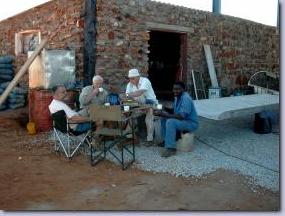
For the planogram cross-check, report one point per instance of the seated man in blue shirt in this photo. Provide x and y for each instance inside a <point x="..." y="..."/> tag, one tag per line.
<point x="184" y="118"/>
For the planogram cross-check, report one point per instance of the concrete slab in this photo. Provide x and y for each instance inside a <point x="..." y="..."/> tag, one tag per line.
<point x="231" y="107"/>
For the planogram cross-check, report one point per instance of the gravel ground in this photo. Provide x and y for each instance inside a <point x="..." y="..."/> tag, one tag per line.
<point x="228" y="144"/>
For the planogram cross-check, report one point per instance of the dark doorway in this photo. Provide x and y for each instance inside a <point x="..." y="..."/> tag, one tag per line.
<point x="165" y="62"/>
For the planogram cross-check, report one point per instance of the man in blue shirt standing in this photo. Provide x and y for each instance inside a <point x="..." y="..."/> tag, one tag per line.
<point x="184" y="118"/>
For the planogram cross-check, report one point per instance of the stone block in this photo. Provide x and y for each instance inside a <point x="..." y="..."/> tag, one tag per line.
<point x="186" y="143"/>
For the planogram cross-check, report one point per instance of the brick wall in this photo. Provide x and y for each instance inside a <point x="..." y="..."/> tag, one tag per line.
<point x="239" y="47"/>
<point x="57" y="15"/>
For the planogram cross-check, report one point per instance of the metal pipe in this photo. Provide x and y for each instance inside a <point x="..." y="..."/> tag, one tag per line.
<point x="89" y="41"/>
<point x="216" y="7"/>
<point x="278" y="14"/>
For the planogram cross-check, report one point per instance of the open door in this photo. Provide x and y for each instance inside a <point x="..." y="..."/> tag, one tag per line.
<point x="167" y="62"/>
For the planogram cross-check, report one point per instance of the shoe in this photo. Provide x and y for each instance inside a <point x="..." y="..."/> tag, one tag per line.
<point x="148" y="143"/>
<point x="162" y="144"/>
<point x="129" y="135"/>
<point x="168" y="152"/>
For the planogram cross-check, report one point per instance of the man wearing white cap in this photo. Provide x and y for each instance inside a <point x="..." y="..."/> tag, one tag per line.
<point x="140" y="89"/>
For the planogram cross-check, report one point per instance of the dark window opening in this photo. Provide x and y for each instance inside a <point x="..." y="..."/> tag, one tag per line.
<point x="164" y="62"/>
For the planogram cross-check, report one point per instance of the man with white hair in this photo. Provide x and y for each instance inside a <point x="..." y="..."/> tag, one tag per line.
<point x="140" y="89"/>
<point x="93" y="94"/>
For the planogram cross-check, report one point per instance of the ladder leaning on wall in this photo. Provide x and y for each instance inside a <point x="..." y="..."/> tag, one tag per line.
<point x="198" y="84"/>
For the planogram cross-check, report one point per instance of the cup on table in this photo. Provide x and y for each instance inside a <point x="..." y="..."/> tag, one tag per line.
<point x="159" y="106"/>
<point x="107" y="104"/>
<point x="126" y="108"/>
<point x="100" y="89"/>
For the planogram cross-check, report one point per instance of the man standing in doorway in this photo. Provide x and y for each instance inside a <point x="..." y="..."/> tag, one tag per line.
<point x="140" y="89"/>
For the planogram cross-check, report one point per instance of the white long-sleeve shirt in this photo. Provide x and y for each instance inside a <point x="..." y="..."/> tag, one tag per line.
<point x="144" y="84"/>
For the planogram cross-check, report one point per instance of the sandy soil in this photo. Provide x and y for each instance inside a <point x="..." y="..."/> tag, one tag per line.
<point x="34" y="177"/>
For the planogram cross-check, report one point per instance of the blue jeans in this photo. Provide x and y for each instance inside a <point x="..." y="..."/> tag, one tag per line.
<point x="83" y="127"/>
<point x="169" y="128"/>
<point x="149" y="101"/>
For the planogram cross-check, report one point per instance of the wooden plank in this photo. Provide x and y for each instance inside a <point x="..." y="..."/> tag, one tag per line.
<point x="22" y="71"/>
<point x="211" y="67"/>
<point x="194" y="83"/>
<point x="174" y="28"/>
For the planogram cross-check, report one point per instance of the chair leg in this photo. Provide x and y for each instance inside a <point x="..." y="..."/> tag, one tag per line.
<point x="132" y="153"/>
<point x="133" y="139"/>
<point x="60" y="143"/>
<point x="79" y="144"/>
<point x="68" y="146"/>
<point x="104" y="147"/>
<point x="56" y="144"/>
<point x="71" y="145"/>
<point x="119" y="156"/>
<point x="122" y="157"/>
<point x="94" y="160"/>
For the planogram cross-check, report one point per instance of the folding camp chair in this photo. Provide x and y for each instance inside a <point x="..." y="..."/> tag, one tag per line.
<point x="119" y="134"/>
<point x="66" y="138"/>
<point x="265" y="82"/>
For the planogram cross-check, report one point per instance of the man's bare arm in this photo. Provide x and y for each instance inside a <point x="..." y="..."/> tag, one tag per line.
<point x="78" y="119"/>
<point x="136" y="93"/>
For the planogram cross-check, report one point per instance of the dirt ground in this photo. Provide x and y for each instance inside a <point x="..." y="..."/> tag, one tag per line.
<point x="33" y="177"/>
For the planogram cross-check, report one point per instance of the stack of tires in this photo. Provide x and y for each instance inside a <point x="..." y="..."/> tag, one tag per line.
<point x="17" y="98"/>
<point x="6" y="68"/>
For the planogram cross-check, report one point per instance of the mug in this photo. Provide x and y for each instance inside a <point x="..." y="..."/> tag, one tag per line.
<point x="126" y="108"/>
<point x="100" y="89"/>
<point x="159" y="106"/>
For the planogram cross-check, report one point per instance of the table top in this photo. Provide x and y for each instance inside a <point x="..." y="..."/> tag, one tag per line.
<point x="114" y="113"/>
<point x="230" y="107"/>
